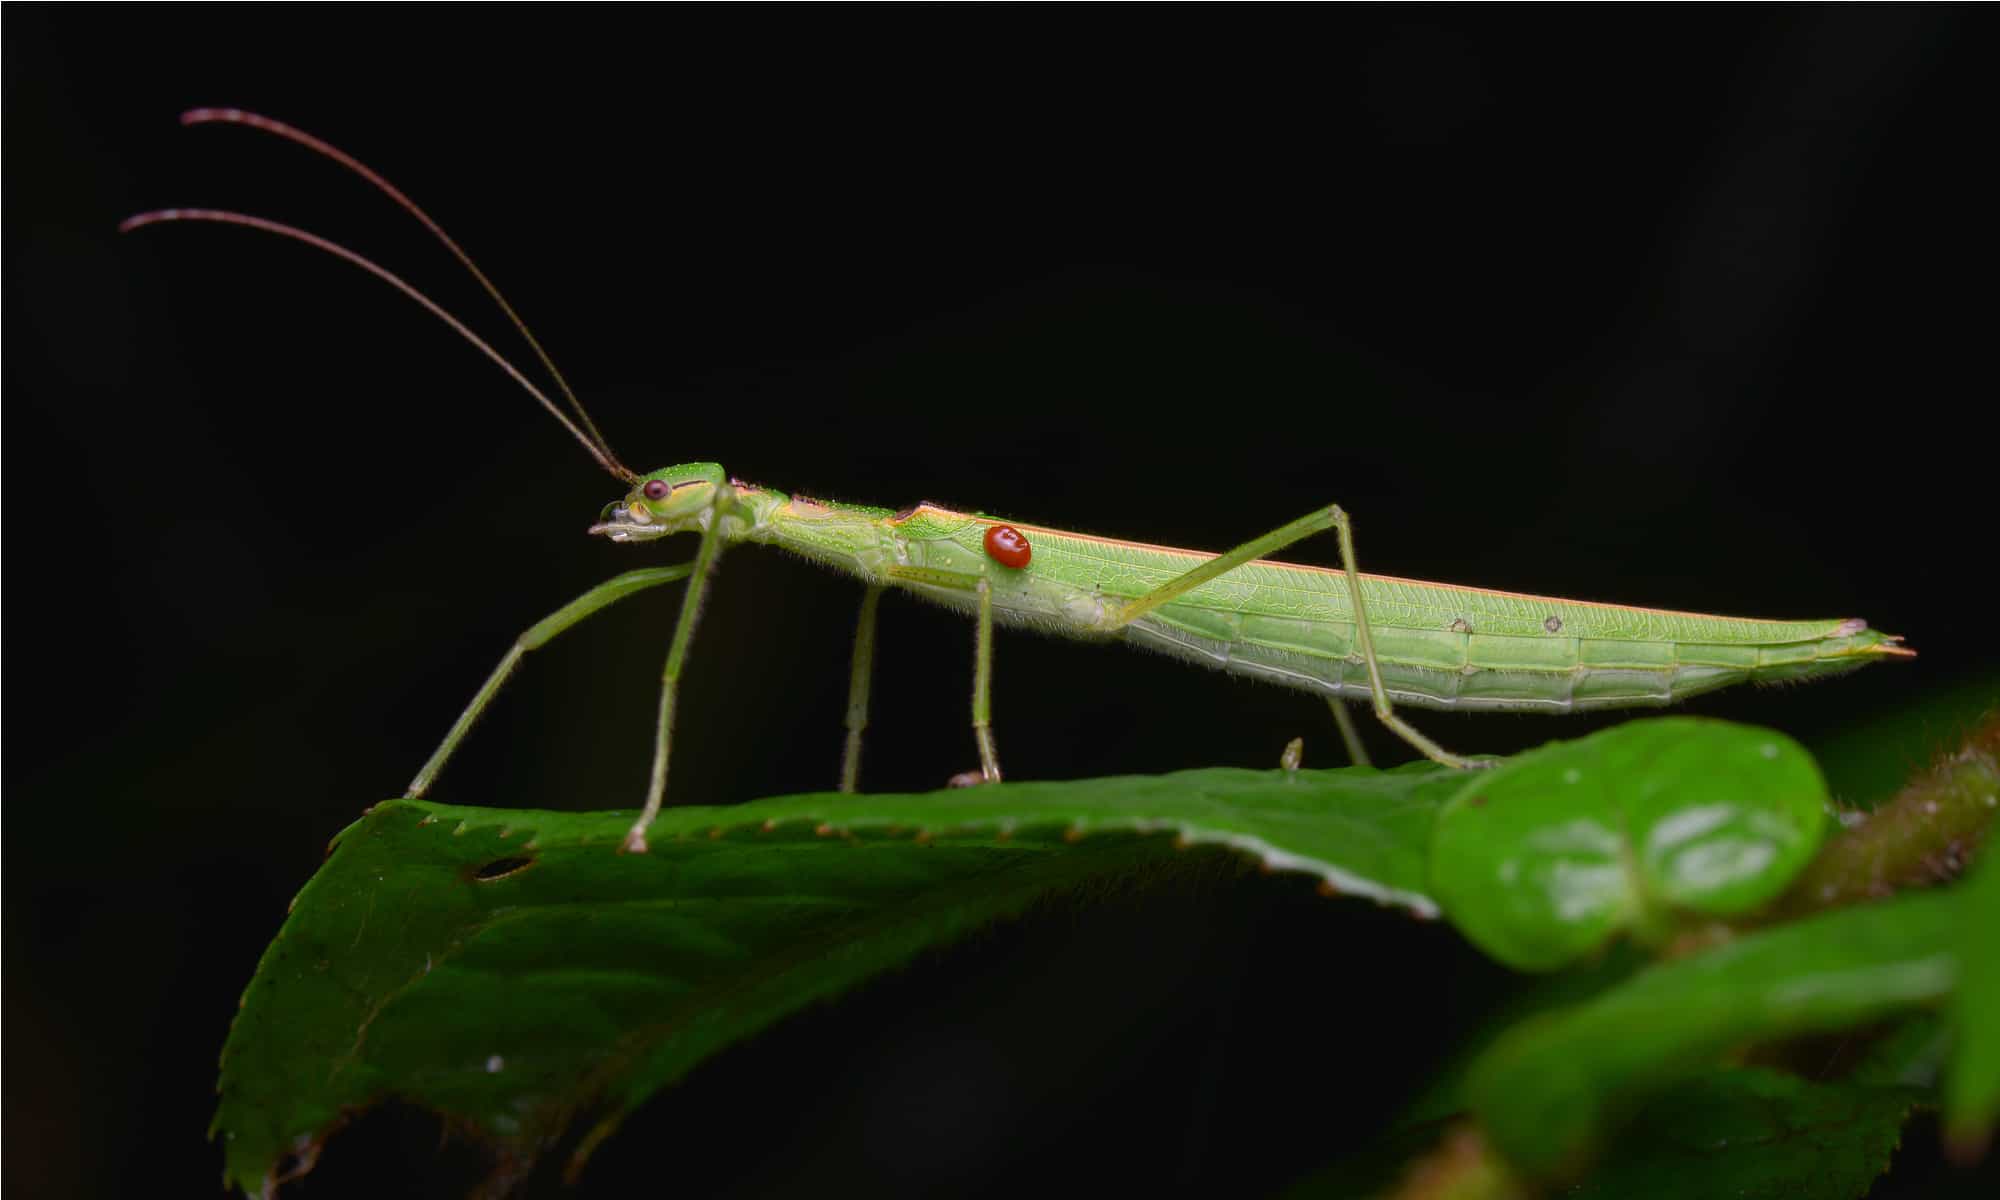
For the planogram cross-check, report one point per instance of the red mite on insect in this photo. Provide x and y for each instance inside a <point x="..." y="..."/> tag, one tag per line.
<point x="1008" y="546"/>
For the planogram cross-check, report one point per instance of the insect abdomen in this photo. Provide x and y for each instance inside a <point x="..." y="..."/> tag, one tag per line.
<point x="1461" y="669"/>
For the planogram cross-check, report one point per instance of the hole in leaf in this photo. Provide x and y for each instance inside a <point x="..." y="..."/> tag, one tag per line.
<point x="501" y="868"/>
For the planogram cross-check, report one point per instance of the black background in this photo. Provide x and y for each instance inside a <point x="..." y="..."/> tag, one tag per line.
<point x="1662" y="307"/>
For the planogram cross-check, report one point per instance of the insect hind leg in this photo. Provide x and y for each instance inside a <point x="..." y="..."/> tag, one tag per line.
<point x="1319" y="521"/>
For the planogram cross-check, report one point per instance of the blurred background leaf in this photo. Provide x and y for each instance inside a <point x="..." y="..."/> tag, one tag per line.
<point x="1549" y="1091"/>
<point x="1756" y="1134"/>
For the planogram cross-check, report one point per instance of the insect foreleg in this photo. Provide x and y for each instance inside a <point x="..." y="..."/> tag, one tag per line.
<point x="1330" y="517"/>
<point x="701" y="571"/>
<point x="1349" y="735"/>
<point x="604" y="594"/>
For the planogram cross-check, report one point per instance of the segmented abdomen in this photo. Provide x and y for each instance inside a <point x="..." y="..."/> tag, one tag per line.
<point x="1464" y="669"/>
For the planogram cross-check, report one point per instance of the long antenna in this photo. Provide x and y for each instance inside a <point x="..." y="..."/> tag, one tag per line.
<point x="597" y="450"/>
<point x="236" y="116"/>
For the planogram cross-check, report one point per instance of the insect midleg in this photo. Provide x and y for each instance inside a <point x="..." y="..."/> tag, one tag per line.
<point x="1331" y="517"/>
<point x="857" y="687"/>
<point x="982" y="660"/>
<point x="702" y="570"/>
<point x="982" y="686"/>
<point x="603" y="595"/>
<point x="1356" y="752"/>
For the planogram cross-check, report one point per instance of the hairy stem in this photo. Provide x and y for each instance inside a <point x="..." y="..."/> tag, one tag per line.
<point x="1924" y="836"/>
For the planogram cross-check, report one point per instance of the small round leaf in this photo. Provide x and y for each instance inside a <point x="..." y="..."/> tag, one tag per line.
<point x="1547" y="857"/>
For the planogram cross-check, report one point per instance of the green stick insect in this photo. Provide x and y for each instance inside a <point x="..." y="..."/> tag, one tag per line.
<point x="1338" y="633"/>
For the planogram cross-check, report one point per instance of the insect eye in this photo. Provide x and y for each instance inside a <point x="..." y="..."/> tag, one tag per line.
<point x="656" y="489"/>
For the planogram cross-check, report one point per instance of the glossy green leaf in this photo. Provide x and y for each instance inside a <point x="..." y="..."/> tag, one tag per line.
<point x="1549" y="1091"/>
<point x="1544" y="859"/>
<point x="508" y="970"/>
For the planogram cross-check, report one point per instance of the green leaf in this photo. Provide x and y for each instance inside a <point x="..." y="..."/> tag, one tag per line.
<point x="1544" y="859"/>
<point x="1910" y="1053"/>
<point x="1743" y="1132"/>
<point x="1548" y="1091"/>
<point x="1972" y="1091"/>
<point x="1752" y="1134"/>
<point x="508" y="970"/>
